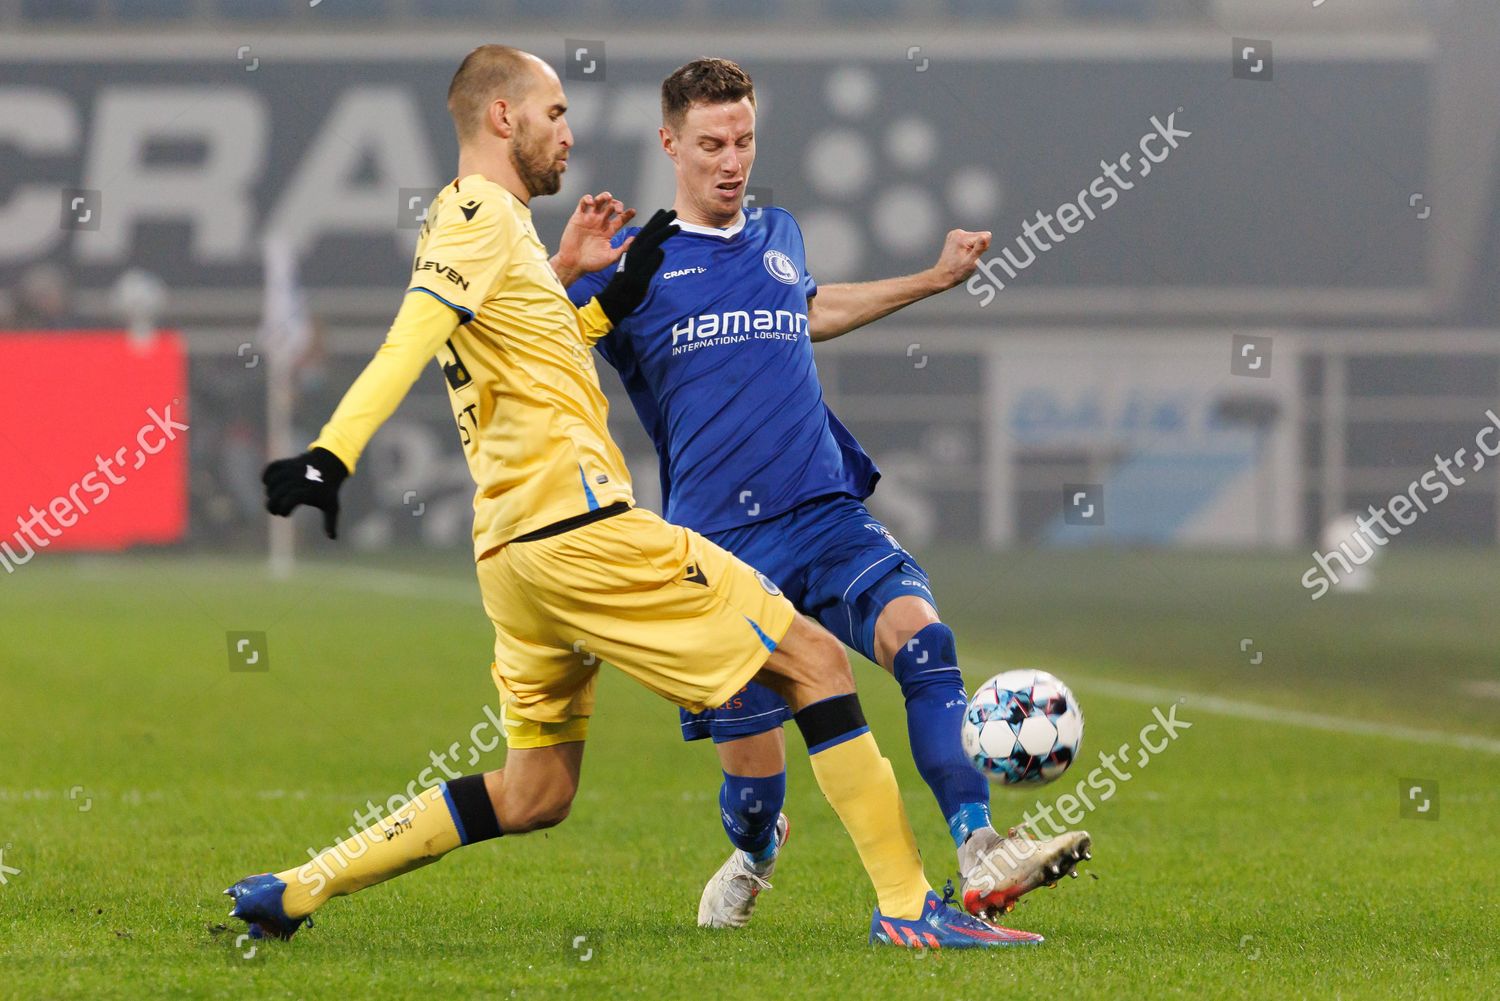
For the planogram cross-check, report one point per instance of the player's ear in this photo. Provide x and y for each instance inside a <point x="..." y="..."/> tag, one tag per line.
<point x="668" y="141"/>
<point x="500" y="119"/>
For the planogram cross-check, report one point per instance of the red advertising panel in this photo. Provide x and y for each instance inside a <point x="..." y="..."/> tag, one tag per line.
<point x="93" y="441"/>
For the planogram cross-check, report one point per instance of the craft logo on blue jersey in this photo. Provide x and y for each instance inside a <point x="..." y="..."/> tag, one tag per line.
<point x="683" y="271"/>
<point x="781" y="267"/>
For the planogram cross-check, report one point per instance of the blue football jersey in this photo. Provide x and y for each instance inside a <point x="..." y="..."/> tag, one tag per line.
<point x="718" y="363"/>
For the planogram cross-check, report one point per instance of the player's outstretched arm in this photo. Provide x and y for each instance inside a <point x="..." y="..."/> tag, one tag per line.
<point x="838" y="309"/>
<point x="587" y="241"/>
<point x="314" y="477"/>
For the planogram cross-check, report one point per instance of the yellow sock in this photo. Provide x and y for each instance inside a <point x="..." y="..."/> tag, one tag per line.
<point x="419" y="833"/>
<point x="861" y="787"/>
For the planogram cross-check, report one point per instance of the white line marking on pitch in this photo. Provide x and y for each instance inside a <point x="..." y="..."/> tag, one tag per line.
<point x="1290" y="717"/>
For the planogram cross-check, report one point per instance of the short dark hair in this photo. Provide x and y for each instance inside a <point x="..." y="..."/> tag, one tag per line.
<point x="703" y="81"/>
<point x="487" y="73"/>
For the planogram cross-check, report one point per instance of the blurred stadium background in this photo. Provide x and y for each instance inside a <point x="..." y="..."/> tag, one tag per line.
<point x="1332" y="220"/>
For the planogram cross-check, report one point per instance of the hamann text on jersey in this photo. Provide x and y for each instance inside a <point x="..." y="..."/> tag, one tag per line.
<point x="719" y="365"/>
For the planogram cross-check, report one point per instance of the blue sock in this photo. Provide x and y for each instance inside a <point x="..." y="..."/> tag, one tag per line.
<point x="927" y="670"/>
<point x="749" y="806"/>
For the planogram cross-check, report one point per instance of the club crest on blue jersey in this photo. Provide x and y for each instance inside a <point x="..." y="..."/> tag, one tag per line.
<point x="781" y="267"/>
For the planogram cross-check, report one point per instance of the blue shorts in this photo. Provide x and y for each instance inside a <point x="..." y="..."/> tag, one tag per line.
<point x="836" y="563"/>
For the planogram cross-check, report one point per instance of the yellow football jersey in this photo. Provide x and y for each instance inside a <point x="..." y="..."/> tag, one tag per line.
<point x="518" y="364"/>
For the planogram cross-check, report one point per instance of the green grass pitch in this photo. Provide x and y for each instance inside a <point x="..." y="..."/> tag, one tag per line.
<point x="1263" y="853"/>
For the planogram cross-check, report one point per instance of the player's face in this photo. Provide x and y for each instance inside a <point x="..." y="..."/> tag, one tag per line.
<point x="714" y="150"/>
<point x="539" y="146"/>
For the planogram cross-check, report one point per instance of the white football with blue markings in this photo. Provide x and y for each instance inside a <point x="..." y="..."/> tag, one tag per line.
<point x="1022" y="727"/>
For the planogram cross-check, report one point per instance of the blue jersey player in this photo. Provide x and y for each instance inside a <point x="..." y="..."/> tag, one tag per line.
<point x="718" y="363"/>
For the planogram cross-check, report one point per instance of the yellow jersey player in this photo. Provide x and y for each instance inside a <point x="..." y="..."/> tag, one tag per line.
<point x="571" y="574"/>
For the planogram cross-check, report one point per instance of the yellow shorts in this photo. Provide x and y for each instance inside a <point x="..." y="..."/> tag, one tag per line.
<point x="663" y="604"/>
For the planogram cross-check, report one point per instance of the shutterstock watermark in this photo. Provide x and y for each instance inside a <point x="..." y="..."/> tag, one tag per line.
<point x="1421" y="494"/>
<point x="484" y="737"/>
<point x="66" y="508"/>
<point x="1072" y="216"/>
<point x="1105" y="780"/>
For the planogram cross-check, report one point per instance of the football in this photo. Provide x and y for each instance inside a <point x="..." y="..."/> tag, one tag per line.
<point x="1022" y="726"/>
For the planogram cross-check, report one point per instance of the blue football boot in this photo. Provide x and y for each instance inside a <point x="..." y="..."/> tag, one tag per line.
<point x="944" y="927"/>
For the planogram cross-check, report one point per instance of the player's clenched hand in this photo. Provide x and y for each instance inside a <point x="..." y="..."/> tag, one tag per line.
<point x="312" y="478"/>
<point x="585" y="244"/>
<point x="627" y="289"/>
<point x="960" y="257"/>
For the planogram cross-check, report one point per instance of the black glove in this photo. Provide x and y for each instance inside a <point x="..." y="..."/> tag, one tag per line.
<point x="311" y="478"/>
<point x="627" y="289"/>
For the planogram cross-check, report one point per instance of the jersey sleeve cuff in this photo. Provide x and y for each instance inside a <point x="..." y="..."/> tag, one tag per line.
<point x="593" y="321"/>
<point x="343" y="454"/>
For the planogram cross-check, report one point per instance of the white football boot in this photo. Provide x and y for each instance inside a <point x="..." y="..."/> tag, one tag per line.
<point x="730" y="895"/>
<point x="995" y="872"/>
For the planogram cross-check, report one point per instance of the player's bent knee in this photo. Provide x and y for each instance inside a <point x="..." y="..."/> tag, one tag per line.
<point x="758" y="755"/>
<point x="833" y="665"/>
<point x="520" y="816"/>
<point x="535" y="790"/>
<point x="546" y="815"/>
<point x="809" y="665"/>
<point x="898" y="622"/>
<point x="827" y="662"/>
